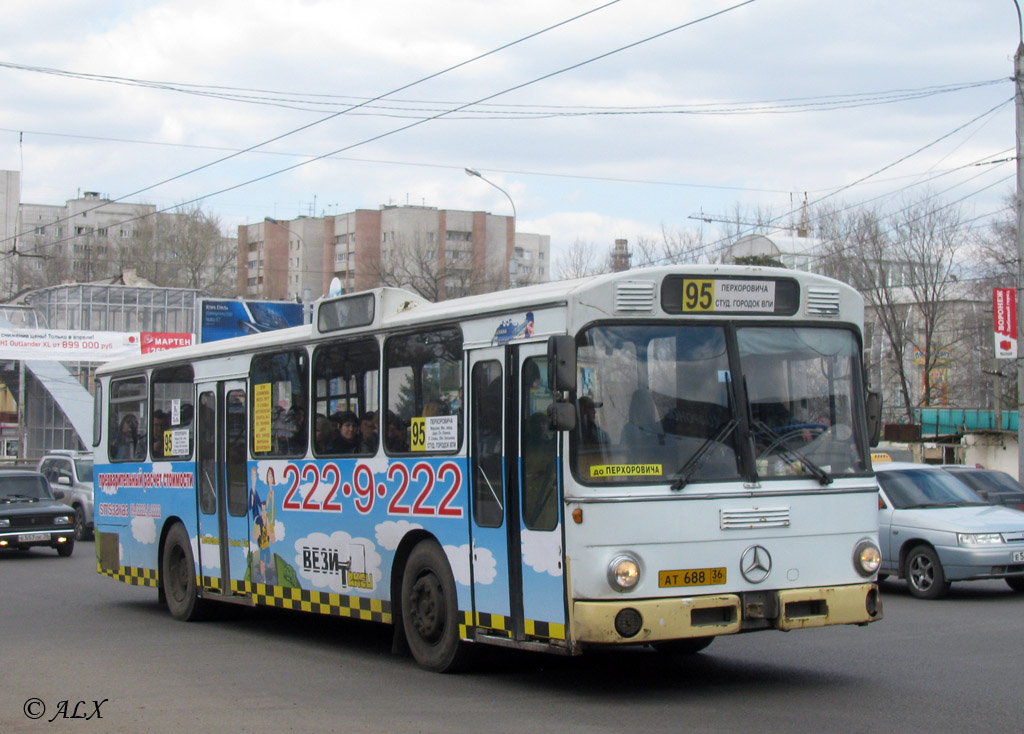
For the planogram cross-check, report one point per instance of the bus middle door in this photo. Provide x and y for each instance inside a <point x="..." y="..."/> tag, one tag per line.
<point x="221" y="461"/>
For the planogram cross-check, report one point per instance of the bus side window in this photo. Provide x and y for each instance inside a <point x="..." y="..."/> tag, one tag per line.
<point x="279" y="403"/>
<point x="487" y="447"/>
<point x="424" y="392"/>
<point x="538" y="448"/>
<point x="127" y="419"/>
<point x="345" y="383"/>
<point x="170" y="434"/>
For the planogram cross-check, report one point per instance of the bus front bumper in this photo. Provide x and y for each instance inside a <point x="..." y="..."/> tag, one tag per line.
<point x="653" y="620"/>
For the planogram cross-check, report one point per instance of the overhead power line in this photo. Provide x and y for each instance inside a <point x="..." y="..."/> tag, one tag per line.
<point x="417" y="123"/>
<point x="336" y="114"/>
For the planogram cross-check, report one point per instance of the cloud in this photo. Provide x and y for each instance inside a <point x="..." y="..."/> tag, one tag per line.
<point x="208" y="553"/>
<point x="542" y="551"/>
<point x="144" y="530"/>
<point x="458" y="559"/>
<point x="390" y="533"/>
<point x="485" y="566"/>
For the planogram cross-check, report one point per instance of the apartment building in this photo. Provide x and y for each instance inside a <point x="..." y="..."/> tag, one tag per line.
<point x="440" y="253"/>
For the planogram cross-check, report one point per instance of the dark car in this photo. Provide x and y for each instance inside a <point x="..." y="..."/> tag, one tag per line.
<point x="30" y="514"/>
<point x="995" y="487"/>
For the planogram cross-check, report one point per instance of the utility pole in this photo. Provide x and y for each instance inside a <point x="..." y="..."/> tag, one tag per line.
<point x="1018" y="81"/>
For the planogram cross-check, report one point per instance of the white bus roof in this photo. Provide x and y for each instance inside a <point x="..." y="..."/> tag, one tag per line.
<point x="396" y="308"/>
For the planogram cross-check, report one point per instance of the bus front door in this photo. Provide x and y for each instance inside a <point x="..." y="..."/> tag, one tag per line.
<point x="539" y="543"/>
<point x="518" y="585"/>
<point x="221" y="460"/>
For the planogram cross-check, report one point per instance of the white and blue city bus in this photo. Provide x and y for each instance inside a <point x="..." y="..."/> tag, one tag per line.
<point x="657" y="457"/>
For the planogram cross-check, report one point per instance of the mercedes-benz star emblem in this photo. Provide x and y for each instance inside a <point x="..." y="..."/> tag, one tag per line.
<point x="756" y="564"/>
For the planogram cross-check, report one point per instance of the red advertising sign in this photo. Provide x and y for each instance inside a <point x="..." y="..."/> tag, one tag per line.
<point x="1004" y="307"/>
<point x="155" y="341"/>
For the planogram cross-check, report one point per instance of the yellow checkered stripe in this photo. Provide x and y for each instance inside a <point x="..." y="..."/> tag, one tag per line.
<point x="338" y="605"/>
<point x="213" y="583"/>
<point x="547" y="630"/>
<point x="497" y="624"/>
<point x="130" y="575"/>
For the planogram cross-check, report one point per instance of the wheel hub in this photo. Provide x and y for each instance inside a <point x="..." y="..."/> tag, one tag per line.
<point x="426" y="607"/>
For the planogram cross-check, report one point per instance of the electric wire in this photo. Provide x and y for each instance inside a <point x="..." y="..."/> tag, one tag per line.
<point x="417" y="123"/>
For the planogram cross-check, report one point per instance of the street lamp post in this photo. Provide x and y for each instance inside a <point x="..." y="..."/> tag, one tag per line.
<point x="513" y="264"/>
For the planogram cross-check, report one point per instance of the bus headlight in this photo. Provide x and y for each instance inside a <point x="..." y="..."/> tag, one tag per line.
<point x="866" y="558"/>
<point x="623" y="572"/>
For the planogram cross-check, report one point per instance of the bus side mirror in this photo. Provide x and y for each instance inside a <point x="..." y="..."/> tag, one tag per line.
<point x="873" y="411"/>
<point x="562" y="363"/>
<point x="561" y="416"/>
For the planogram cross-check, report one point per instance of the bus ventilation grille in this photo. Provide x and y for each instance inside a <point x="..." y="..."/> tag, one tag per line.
<point x="634" y="296"/>
<point x="755" y="517"/>
<point x="822" y="302"/>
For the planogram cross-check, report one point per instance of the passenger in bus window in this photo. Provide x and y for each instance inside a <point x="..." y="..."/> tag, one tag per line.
<point x="396" y="437"/>
<point x="160" y="425"/>
<point x="591" y="434"/>
<point x="128" y="444"/>
<point x="349" y="442"/>
<point x="368" y="432"/>
<point x="326" y="440"/>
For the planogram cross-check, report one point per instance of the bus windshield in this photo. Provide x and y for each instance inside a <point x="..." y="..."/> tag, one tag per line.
<point x="689" y="403"/>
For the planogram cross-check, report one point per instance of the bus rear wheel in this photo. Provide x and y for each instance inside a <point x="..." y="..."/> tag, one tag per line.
<point x="430" y="610"/>
<point x="178" y="572"/>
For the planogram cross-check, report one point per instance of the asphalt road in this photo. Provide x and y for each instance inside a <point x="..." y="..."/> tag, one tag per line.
<point x="70" y="635"/>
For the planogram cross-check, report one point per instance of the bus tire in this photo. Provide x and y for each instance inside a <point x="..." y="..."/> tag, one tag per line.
<point x="178" y="577"/>
<point x="687" y="646"/>
<point x="430" y="610"/>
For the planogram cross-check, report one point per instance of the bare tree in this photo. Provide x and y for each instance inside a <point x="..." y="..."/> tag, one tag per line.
<point x="580" y="260"/>
<point x="182" y="249"/>
<point x="437" y="274"/>
<point x="904" y="264"/>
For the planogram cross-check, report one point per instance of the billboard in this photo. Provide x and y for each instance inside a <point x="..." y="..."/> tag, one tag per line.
<point x="86" y="346"/>
<point x="1004" y="308"/>
<point x="225" y="319"/>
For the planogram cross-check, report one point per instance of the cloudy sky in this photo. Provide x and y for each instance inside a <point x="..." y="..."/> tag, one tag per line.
<point x="600" y="120"/>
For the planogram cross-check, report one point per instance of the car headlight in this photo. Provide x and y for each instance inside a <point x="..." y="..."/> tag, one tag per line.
<point x="866" y="557"/>
<point x="5" y="522"/>
<point x="978" y="538"/>
<point x="64" y="519"/>
<point x="623" y="573"/>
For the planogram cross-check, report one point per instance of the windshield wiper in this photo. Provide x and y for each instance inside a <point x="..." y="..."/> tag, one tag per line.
<point x="790" y="454"/>
<point x="700" y="455"/>
<point x="21" y="497"/>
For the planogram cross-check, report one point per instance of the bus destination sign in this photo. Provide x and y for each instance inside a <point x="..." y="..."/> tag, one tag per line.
<point x="725" y="295"/>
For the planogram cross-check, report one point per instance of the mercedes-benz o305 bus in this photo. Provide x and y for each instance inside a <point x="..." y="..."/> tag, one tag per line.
<point x="657" y="457"/>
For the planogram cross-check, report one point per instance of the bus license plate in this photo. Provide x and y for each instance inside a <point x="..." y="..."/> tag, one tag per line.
<point x="32" y="537"/>
<point x="691" y="577"/>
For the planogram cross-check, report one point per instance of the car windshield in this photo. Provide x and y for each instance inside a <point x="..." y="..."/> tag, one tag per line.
<point x="84" y="469"/>
<point x="990" y="481"/>
<point x="24" y="486"/>
<point x="908" y="488"/>
<point x="662" y="402"/>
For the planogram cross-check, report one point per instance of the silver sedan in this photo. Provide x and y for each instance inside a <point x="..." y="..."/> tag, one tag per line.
<point x="935" y="530"/>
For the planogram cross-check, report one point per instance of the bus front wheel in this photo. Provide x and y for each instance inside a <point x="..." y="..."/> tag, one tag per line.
<point x="178" y="569"/>
<point x="430" y="610"/>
